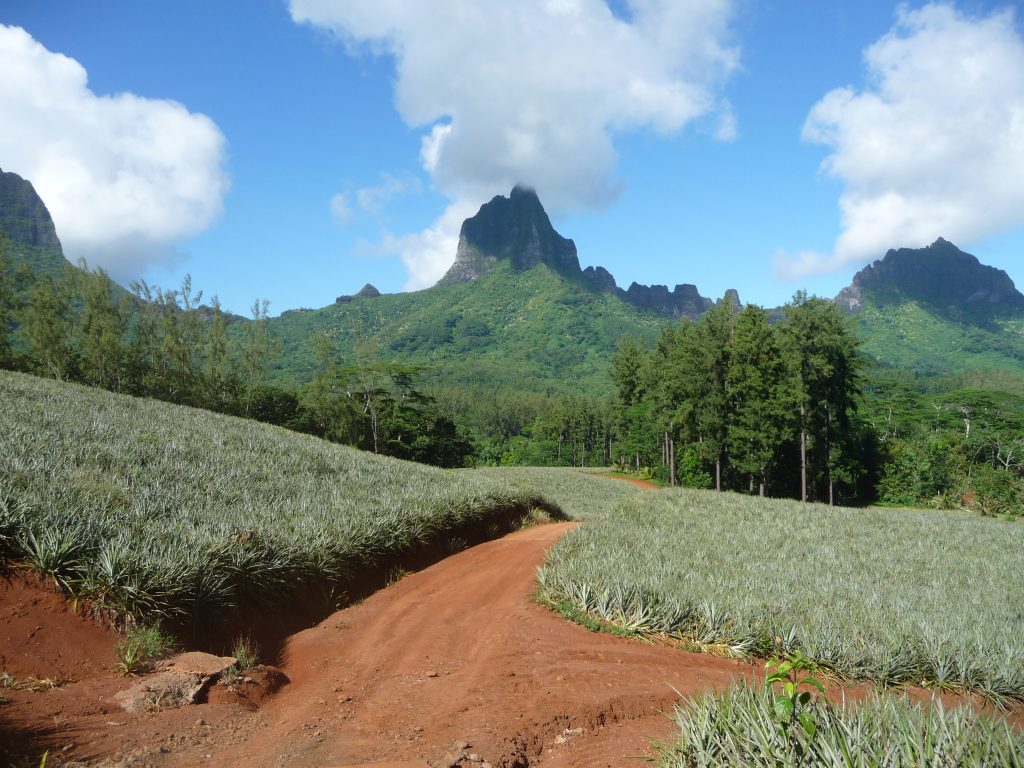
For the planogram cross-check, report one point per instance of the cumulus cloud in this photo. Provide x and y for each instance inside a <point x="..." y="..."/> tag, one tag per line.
<point x="124" y="177"/>
<point x="933" y="146"/>
<point x="372" y="198"/>
<point x="341" y="208"/>
<point x="428" y="254"/>
<point x="534" y="91"/>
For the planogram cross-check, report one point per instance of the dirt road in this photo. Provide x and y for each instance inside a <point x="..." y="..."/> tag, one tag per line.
<point x="459" y="653"/>
<point x="451" y="665"/>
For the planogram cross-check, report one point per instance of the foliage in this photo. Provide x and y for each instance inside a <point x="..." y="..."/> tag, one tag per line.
<point x="791" y="703"/>
<point x="156" y="511"/>
<point x="737" y="729"/>
<point x="246" y="652"/>
<point x="949" y="448"/>
<point x="912" y="336"/>
<point x="895" y="596"/>
<point x="726" y="396"/>
<point x="141" y="646"/>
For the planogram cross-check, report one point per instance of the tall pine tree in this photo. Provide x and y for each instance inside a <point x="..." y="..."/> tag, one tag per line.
<point x="756" y="385"/>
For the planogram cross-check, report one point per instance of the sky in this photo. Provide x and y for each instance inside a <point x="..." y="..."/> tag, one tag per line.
<point x="294" y="150"/>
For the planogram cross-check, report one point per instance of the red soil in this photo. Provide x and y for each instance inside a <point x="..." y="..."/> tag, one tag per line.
<point x="635" y="481"/>
<point x="457" y="652"/>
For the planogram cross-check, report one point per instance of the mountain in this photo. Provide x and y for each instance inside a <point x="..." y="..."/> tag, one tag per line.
<point x="940" y="276"/>
<point x="516" y="230"/>
<point x="27" y="224"/>
<point x="517" y="312"/>
<point x="514" y="312"/>
<point x="937" y="309"/>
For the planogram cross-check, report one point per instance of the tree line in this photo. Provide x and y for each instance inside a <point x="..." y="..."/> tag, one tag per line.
<point x="735" y="401"/>
<point x="79" y="325"/>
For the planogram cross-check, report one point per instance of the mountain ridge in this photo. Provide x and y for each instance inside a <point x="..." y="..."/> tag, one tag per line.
<point x="939" y="275"/>
<point x="517" y="296"/>
<point x="516" y="229"/>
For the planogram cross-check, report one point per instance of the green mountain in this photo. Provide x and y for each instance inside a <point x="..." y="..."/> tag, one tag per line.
<point x="516" y="230"/>
<point x="937" y="310"/>
<point x="27" y="225"/>
<point x="515" y="311"/>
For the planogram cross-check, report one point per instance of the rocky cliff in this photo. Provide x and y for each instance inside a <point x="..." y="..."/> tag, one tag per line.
<point x="516" y="229"/>
<point x="940" y="276"/>
<point x="27" y="224"/>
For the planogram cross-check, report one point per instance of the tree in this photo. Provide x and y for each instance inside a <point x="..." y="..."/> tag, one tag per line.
<point x="47" y="325"/>
<point x="694" y="394"/>
<point x="8" y="298"/>
<point x="101" y="334"/>
<point x="258" y="351"/>
<point x="823" y="359"/>
<point x="756" y="377"/>
<point x="220" y="378"/>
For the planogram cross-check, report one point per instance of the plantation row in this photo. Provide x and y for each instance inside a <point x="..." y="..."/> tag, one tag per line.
<point x="894" y="596"/>
<point x="162" y="512"/>
<point x="741" y="729"/>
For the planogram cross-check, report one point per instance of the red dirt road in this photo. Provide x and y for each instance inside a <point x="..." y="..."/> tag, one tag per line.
<point x="454" y="653"/>
<point x="458" y="652"/>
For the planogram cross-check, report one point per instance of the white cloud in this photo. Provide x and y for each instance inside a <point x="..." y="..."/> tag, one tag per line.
<point x="534" y="91"/>
<point x="341" y="208"/>
<point x="934" y="146"/>
<point x="124" y="177"/>
<point x="428" y="254"/>
<point x="371" y="199"/>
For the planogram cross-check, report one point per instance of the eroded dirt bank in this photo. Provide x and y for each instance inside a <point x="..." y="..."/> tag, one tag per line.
<point x="455" y="654"/>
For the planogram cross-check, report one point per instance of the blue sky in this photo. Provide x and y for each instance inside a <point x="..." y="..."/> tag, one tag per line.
<point x="308" y="175"/>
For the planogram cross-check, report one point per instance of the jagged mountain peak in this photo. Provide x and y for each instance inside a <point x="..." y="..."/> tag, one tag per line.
<point x="515" y="229"/>
<point x="939" y="275"/>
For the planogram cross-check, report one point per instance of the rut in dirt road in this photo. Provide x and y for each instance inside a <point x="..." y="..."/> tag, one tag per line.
<point x="459" y="652"/>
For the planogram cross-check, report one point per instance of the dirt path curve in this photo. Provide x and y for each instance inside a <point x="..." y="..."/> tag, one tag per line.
<point x="458" y="652"/>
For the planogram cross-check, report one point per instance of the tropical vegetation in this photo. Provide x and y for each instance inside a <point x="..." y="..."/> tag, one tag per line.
<point x="893" y="596"/>
<point x="158" y="512"/>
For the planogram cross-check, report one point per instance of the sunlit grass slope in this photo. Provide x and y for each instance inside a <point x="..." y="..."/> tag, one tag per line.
<point x="908" y="335"/>
<point x="897" y="596"/>
<point x="160" y="511"/>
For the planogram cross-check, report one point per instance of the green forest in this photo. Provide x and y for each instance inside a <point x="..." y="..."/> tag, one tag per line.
<point x="781" y="403"/>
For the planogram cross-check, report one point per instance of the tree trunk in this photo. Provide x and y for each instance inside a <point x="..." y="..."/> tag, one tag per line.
<point x="718" y="474"/>
<point x="828" y="457"/>
<point x="672" y="462"/>
<point x="803" y="455"/>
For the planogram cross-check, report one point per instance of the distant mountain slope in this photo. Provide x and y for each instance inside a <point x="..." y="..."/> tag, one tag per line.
<point x="27" y="224"/>
<point x="530" y="329"/>
<point x="516" y="310"/>
<point x="937" y="309"/>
